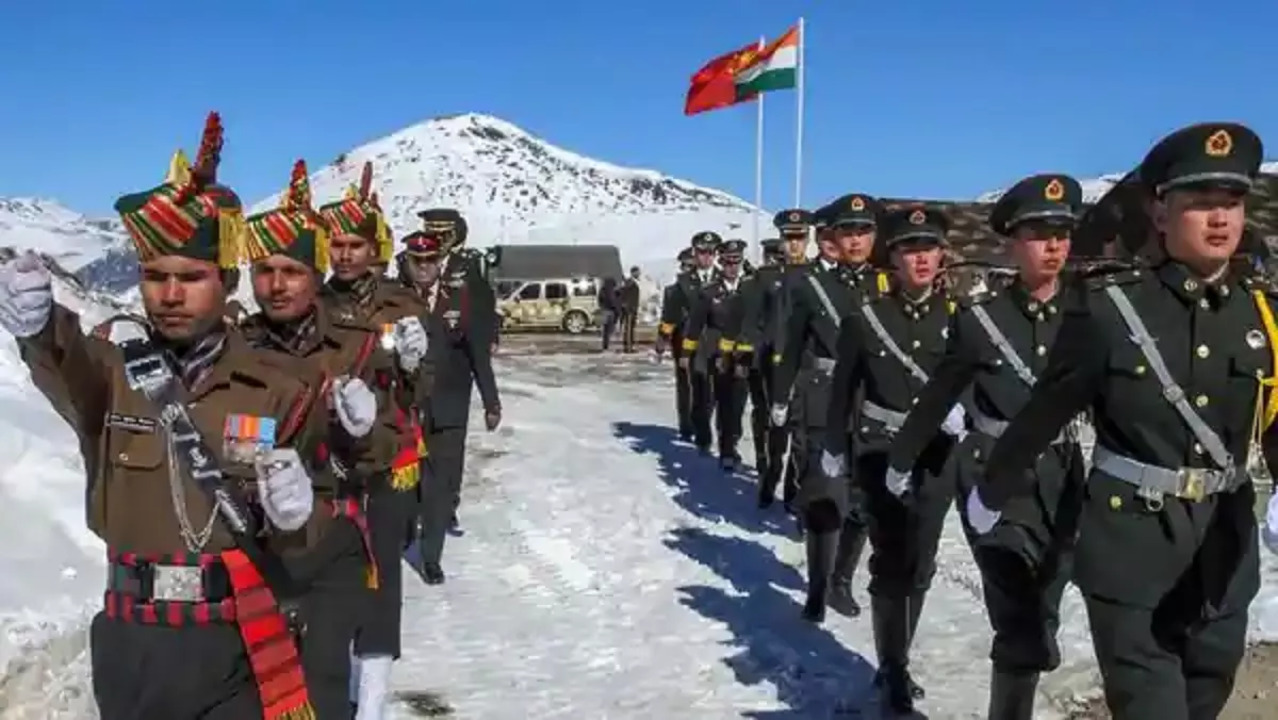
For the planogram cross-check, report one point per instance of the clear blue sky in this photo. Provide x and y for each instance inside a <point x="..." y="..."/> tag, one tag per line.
<point x="923" y="98"/>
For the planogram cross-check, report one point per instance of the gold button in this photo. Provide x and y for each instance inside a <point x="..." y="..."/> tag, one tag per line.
<point x="1204" y="304"/>
<point x="1041" y="350"/>
<point x="1198" y="448"/>
<point x="1202" y="351"/>
<point x="914" y="400"/>
<point x="1191" y="285"/>
<point x="1115" y="502"/>
<point x="1140" y="369"/>
<point x="1033" y="307"/>
<point x="124" y="457"/>
<point x="882" y="353"/>
<point x="976" y="453"/>
<point x="1201" y="401"/>
<point x="1051" y="309"/>
<point x="1224" y="291"/>
<point x="915" y="344"/>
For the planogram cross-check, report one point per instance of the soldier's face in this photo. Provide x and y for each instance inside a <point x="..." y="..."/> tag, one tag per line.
<point x="284" y="288"/>
<point x="351" y="256"/>
<point x="703" y="258"/>
<point x="731" y="267"/>
<point x="917" y="266"/>
<point x="828" y="247"/>
<point x="856" y="242"/>
<point x="796" y="246"/>
<point x="423" y="271"/>
<point x="184" y="298"/>
<point x="1202" y="227"/>
<point x="1040" y="250"/>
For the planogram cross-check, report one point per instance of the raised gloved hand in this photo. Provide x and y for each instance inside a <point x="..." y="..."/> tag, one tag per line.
<point x="897" y="482"/>
<point x="980" y="518"/>
<point x="355" y="405"/>
<point x="833" y="465"/>
<point x="778" y="414"/>
<point x="1269" y="533"/>
<point x="26" y="295"/>
<point x="955" y="424"/>
<point x="411" y="343"/>
<point x="284" y="487"/>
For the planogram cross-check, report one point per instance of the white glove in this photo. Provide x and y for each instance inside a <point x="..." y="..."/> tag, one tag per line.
<point x="411" y="342"/>
<point x="779" y="414"/>
<point x="284" y="487"/>
<point x="26" y="295"/>
<point x="355" y="404"/>
<point x="1269" y="533"/>
<point x="981" y="518"/>
<point x="897" y="481"/>
<point x="833" y="465"/>
<point x="954" y="424"/>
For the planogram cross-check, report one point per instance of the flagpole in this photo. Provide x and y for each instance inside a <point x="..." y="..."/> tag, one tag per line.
<point x="798" y="123"/>
<point x="758" y="167"/>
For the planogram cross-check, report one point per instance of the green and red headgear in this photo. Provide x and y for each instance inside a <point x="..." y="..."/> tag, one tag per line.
<point x="293" y="229"/>
<point x="358" y="213"/>
<point x="189" y="214"/>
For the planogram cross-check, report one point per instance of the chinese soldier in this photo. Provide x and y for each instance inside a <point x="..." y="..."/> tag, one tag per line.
<point x="714" y="324"/>
<point x="668" y="333"/>
<point x="195" y="477"/>
<point x="674" y="320"/>
<point x="288" y="251"/>
<point x="997" y="349"/>
<point x="760" y="293"/>
<point x="887" y="351"/>
<point x="357" y="294"/>
<point x="1172" y="360"/>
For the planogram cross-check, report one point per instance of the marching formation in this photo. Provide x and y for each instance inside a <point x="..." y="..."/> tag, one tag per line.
<point x="878" y="399"/>
<point x="257" y="477"/>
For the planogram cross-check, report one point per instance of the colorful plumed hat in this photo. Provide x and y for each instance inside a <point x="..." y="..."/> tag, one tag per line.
<point x="294" y="229"/>
<point x="189" y="214"/>
<point x="358" y="213"/>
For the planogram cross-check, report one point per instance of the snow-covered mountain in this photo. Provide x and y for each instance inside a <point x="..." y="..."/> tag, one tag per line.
<point x="514" y="187"/>
<point x="72" y="239"/>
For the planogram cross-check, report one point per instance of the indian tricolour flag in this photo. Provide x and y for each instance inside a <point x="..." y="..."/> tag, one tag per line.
<point x="775" y="67"/>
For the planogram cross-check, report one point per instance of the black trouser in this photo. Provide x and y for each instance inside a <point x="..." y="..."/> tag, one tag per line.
<point x="335" y="573"/>
<point x="760" y="426"/>
<point x="1027" y="560"/>
<point x="683" y="390"/>
<point x="833" y="512"/>
<point x="390" y="515"/>
<point x="701" y="406"/>
<point x="441" y="488"/>
<point x="730" y="391"/>
<point x="607" y="328"/>
<point x="155" y="672"/>
<point x="904" y="536"/>
<point x="1167" y="591"/>
<point x="628" y="319"/>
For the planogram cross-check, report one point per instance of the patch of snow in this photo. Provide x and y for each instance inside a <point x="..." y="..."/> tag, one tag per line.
<point x="69" y="237"/>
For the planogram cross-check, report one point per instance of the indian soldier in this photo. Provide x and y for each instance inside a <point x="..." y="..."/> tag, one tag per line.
<point x="669" y="334"/>
<point x="760" y="312"/>
<point x="471" y="314"/>
<point x="1172" y="360"/>
<point x="459" y="355"/>
<point x="997" y="348"/>
<point x="356" y="294"/>
<point x="887" y="351"/>
<point x="819" y="297"/>
<point x="199" y="467"/>
<point x="674" y="320"/>
<point x="714" y="324"/>
<point x="289" y="255"/>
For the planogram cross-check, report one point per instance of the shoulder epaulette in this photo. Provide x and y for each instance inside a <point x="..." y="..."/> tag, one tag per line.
<point x="1263" y="283"/>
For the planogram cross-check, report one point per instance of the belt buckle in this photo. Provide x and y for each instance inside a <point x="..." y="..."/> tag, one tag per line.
<point x="1192" y="483"/>
<point x="177" y="583"/>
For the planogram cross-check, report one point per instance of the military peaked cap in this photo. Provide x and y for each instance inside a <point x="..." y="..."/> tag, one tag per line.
<point x="916" y="225"/>
<point x="423" y="244"/>
<point x="1051" y="198"/>
<point x="732" y="249"/>
<point x="685" y="255"/>
<point x="443" y="222"/>
<point x="771" y="246"/>
<point x="793" y="221"/>
<point x="706" y="240"/>
<point x="1221" y="155"/>
<point x="850" y="210"/>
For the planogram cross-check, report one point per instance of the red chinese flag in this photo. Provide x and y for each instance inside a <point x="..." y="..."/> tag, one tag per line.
<point x="714" y="86"/>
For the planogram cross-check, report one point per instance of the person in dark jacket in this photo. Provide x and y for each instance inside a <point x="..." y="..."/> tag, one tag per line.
<point x="628" y="303"/>
<point x="608" y="306"/>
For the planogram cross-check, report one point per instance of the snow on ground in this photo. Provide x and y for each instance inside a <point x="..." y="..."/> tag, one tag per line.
<point x="606" y="571"/>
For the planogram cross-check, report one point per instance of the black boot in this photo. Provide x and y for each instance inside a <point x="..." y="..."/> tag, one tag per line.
<point x="1012" y="696"/>
<point x="851" y="545"/>
<point x="891" y="643"/>
<point x="915" y="612"/>
<point x="821" y="548"/>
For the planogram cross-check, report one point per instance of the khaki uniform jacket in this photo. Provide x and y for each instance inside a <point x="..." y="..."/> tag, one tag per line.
<point x="129" y="499"/>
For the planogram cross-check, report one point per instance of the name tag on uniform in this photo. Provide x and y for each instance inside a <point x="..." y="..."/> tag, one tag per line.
<point x="132" y="423"/>
<point x="245" y="437"/>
